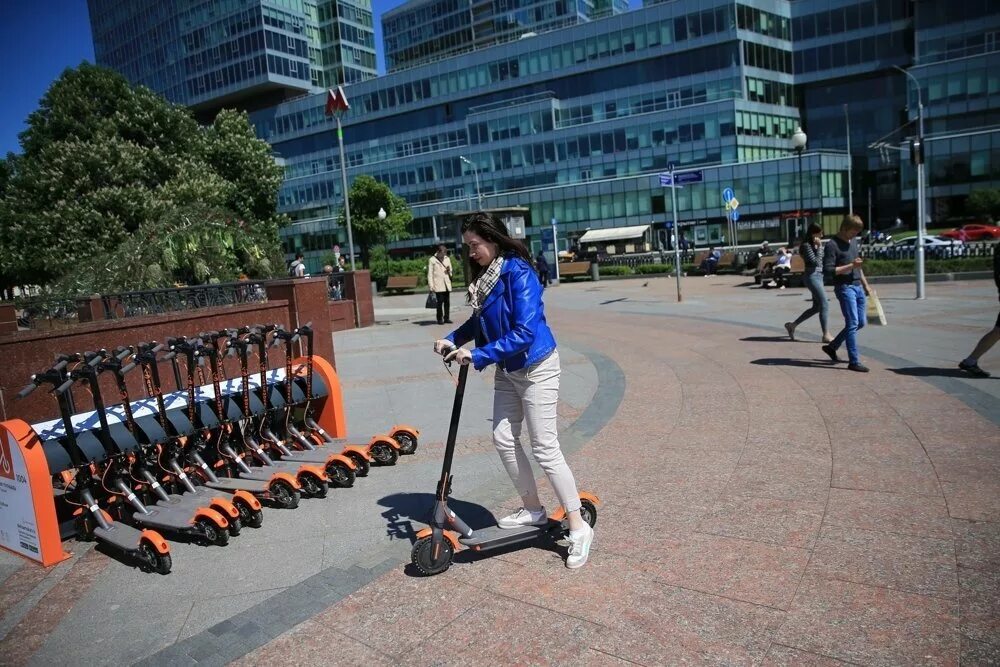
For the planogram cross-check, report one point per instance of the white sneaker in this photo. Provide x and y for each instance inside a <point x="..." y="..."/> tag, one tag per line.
<point x="579" y="549"/>
<point x="524" y="517"/>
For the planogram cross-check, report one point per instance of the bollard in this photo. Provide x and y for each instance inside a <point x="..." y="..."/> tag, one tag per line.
<point x="595" y="271"/>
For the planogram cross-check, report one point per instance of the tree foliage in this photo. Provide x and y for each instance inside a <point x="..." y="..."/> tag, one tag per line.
<point x="118" y="189"/>
<point x="985" y="202"/>
<point x="366" y="197"/>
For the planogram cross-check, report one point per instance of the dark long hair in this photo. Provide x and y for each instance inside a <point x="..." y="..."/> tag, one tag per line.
<point x="811" y="231"/>
<point x="492" y="230"/>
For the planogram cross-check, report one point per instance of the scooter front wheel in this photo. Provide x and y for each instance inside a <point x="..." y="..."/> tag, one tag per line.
<point x="424" y="559"/>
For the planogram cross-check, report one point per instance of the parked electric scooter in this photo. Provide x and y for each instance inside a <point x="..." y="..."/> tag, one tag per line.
<point x="76" y="485"/>
<point x="151" y="437"/>
<point x="203" y="523"/>
<point x="384" y="450"/>
<point x="435" y="547"/>
<point x="281" y="489"/>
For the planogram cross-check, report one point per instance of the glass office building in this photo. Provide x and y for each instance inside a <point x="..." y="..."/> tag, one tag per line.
<point x="210" y="54"/>
<point x="422" y="31"/>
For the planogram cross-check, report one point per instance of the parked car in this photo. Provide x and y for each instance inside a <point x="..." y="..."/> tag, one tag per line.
<point x="934" y="246"/>
<point x="974" y="232"/>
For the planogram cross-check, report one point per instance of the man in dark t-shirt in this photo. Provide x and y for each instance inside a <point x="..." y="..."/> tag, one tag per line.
<point x="842" y="266"/>
<point x="971" y="363"/>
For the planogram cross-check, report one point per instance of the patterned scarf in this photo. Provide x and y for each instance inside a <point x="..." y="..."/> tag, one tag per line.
<point x="481" y="288"/>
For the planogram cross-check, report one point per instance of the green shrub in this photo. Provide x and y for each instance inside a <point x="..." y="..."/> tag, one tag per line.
<point x="382" y="267"/>
<point x="903" y="267"/>
<point x="616" y="271"/>
<point x="654" y="268"/>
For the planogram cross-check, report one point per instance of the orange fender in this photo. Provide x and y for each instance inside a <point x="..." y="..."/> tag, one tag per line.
<point x="316" y="470"/>
<point x="449" y="535"/>
<point x="211" y="515"/>
<point x="406" y="428"/>
<point x="361" y="451"/>
<point x="249" y="499"/>
<point x="288" y="478"/>
<point x="343" y="459"/>
<point x="224" y="507"/>
<point x="560" y="512"/>
<point x="389" y="440"/>
<point x="155" y="539"/>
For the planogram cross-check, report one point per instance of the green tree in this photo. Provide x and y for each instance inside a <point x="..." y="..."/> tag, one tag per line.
<point x="112" y="174"/>
<point x="985" y="202"/>
<point x="367" y="196"/>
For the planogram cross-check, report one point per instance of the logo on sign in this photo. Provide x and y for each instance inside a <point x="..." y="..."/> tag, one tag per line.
<point x="6" y="462"/>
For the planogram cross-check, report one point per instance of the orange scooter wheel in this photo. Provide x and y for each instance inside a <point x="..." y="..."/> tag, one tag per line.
<point x="426" y="561"/>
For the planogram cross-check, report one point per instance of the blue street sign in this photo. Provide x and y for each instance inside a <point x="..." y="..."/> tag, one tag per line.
<point x="728" y="194"/>
<point x="547" y="235"/>
<point x="735" y="214"/>
<point x="689" y="177"/>
<point x="665" y="179"/>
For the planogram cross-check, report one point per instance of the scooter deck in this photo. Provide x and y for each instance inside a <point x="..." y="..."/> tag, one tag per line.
<point x="495" y="536"/>
<point x="172" y="518"/>
<point x="232" y="484"/>
<point x="307" y="456"/>
<point x="265" y="473"/>
<point x="124" y="537"/>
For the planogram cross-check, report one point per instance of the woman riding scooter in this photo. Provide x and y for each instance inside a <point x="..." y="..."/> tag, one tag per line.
<point x="509" y="328"/>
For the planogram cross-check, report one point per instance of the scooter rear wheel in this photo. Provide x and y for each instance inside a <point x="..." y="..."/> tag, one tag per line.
<point x="384" y="454"/>
<point x="340" y="474"/>
<point x="249" y="516"/>
<point x="235" y="526"/>
<point x="588" y="512"/>
<point x="314" y="486"/>
<point x="422" y="556"/>
<point x="361" y="465"/>
<point x="407" y="443"/>
<point x="211" y="533"/>
<point x="153" y="559"/>
<point x="285" y="495"/>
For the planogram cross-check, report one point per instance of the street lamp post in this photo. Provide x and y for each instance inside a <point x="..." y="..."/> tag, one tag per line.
<point x="799" y="139"/>
<point x="918" y="157"/>
<point x="337" y="106"/>
<point x="475" y="171"/>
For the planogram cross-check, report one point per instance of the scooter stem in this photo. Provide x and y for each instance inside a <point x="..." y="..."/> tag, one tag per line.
<point x="444" y="486"/>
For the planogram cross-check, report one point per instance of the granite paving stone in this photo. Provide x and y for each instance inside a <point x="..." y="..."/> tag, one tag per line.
<point x="980" y="603"/>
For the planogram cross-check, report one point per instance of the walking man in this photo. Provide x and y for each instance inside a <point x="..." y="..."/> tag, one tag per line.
<point x="542" y="266"/>
<point x="971" y="363"/>
<point x="842" y="265"/>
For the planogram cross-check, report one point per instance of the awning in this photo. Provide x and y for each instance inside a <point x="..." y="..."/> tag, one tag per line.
<point x="613" y="234"/>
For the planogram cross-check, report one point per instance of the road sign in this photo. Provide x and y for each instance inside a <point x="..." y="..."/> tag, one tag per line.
<point x="728" y="194"/>
<point x="666" y="179"/>
<point x="733" y="204"/>
<point x="735" y="214"/>
<point x="682" y="178"/>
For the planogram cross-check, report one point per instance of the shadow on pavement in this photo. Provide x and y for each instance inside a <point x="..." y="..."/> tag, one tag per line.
<point x="768" y="339"/>
<point x="804" y="363"/>
<point x="425" y="323"/>
<point x="604" y="303"/>
<point x="926" y="371"/>
<point x="404" y="508"/>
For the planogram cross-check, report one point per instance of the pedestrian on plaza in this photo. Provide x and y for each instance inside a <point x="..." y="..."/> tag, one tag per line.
<point x="439" y="282"/>
<point x="542" y="266"/>
<point x="811" y="251"/>
<point x="297" y="269"/>
<point x="971" y="363"/>
<point x="711" y="261"/>
<point x="782" y="265"/>
<point x="842" y="265"/>
<point x="509" y="328"/>
<point x="332" y="285"/>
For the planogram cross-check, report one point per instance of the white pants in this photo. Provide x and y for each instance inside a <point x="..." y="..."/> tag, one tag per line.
<point x="530" y="396"/>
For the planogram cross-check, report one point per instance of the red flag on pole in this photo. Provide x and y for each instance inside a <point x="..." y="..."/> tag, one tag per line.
<point x="336" y="101"/>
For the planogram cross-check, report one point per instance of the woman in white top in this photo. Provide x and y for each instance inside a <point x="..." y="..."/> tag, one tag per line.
<point x="439" y="282"/>
<point x="781" y="267"/>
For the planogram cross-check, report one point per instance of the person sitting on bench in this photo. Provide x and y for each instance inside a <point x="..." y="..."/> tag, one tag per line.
<point x="782" y="266"/>
<point x="711" y="261"/>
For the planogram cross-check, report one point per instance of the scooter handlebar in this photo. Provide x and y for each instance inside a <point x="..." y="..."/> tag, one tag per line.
<point x="122" y="353"/>
<point x="27" y="390"/>
<point x="126" y="368"/>
<point x="64" y="387"/>
<point x="170" y="355"/>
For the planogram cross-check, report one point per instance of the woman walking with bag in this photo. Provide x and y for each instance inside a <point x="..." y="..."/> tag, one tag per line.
<point x="439" y="282"/>
<point x="509" y="328"/>
<point x="811" y="251"/>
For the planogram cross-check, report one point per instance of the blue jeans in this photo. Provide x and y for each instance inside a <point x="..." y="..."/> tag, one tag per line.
<point x="853" y="304"/>
<point x="820" y="305"/>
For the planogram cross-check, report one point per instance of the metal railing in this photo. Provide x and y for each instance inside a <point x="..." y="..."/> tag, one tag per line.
<point x="950" y="251"/>
<point x="157" y="301"/>
<point x="41" y="312"/>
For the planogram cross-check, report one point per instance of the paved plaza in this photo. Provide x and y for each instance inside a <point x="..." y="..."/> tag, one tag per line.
<point x="761" y="505"/>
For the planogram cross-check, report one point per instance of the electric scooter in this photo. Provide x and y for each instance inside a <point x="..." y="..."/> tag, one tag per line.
<point x="76" y="484"/>
<point x="151" y="437"/>
<point x="203" y="523"/>
<point x="436" y="545"/>
<point x="281" y="489"/>
<point x="385" y="450"/>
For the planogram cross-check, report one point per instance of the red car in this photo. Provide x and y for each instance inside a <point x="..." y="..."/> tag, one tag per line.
<point x="973" y="233"/>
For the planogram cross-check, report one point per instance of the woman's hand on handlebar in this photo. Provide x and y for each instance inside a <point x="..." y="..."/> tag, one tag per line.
<point x="460" y="355"/>
<point x="443" y="346"/>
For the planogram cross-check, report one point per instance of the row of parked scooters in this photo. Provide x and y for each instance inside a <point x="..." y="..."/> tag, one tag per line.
<point x="197" y="463"/>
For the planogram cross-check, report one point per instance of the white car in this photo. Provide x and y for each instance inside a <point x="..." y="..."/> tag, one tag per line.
<point x="934" y="246"/>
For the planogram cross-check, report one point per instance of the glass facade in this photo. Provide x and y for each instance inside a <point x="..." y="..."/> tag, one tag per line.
<point x="245" y="53"/>
<point x="424" y="31"/>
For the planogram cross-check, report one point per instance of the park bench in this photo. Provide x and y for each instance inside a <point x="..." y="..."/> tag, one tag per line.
<point x="765" y="271"/>
<point x="726" y="263"/>
<point x="573" y="269"/>
<point x="401" y="283"/>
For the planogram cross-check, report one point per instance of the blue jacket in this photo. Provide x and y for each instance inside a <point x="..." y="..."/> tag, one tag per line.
<point x="510" y="331"/>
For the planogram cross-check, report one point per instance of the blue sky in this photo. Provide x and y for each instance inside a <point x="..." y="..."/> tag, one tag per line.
<point x="38" y="40"/>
